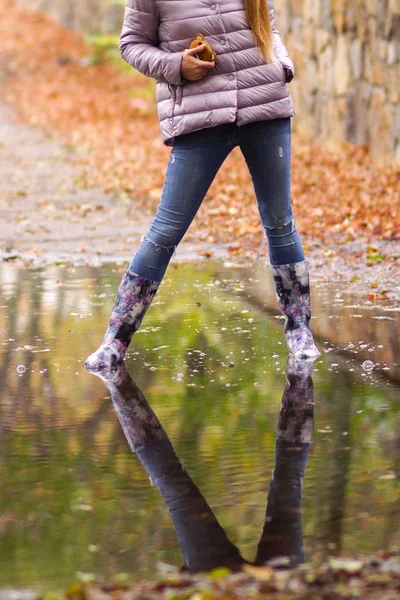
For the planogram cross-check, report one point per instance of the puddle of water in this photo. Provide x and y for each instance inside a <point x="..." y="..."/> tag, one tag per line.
<point x="210" y="362"/>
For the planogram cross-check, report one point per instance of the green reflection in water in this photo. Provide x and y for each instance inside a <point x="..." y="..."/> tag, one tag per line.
<point x="73" y="496"/>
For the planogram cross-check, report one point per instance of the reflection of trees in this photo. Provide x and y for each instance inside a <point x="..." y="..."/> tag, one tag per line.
<point x="331" y="488"/>
<point x="358" y="441"/>
<point x="392" y="513"/>
<point x="64" y="449"/>
<point x="92" y="15"/>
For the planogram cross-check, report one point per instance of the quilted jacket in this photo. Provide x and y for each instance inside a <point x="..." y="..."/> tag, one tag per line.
<point x="241" y="87"/>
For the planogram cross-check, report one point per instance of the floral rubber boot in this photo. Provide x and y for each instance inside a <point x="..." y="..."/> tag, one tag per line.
<point x="292" y="284"/>
<point x="134" y="297"/>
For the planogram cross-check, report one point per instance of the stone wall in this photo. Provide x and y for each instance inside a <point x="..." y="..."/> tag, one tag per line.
<point x="347" y="58"/>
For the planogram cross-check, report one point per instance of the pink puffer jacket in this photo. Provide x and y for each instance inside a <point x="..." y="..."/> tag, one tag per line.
<point x="241" y="87"/>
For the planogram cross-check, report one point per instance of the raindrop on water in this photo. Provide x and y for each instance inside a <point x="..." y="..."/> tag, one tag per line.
<point x="368" y="366"/>
<point x="21" y="369"/>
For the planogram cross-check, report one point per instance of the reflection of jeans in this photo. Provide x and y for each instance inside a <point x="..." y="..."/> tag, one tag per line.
<point x="203" y="541"/>
<point x="282" y="534"/>
<point x="194" y="161"/>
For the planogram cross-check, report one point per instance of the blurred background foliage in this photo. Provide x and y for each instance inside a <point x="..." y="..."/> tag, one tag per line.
<point x="346" y="54"/>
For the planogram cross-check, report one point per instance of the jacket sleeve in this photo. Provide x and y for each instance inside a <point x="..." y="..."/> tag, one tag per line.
<point x="279" y="47"/>
<point x="139" y="43"/>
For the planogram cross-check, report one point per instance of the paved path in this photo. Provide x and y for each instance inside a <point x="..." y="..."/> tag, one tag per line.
<point x="46" y="215"/>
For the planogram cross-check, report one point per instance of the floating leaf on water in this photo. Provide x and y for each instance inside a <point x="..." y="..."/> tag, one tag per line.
<point x="75" y="592"/>
<point x="219" y="573"/>
<point x="392" y="566"/>
<point x="388" y="476"/>
<point x="85" y="577"/>
<point x="122" y="581"/>
<point x="347" y="565"/>
<point x="260" y="573"/>
<point x="166" y="569"/>
<point x="200" y="596"/>
<point x="83" y="507"/>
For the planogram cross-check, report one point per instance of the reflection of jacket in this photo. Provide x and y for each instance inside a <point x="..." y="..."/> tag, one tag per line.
<point x="241" y="87"/>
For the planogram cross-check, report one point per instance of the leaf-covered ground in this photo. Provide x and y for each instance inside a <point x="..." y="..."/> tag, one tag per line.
<point x="346" y="207"/>
<point x="338" y="579"/>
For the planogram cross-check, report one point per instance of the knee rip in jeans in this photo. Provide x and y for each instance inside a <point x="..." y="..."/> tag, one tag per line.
<point x="282" y="236"/>
<point x="280" y="224"/>
<point x="170" y="249"/>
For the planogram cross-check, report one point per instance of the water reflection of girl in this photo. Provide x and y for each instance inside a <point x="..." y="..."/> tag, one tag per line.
<point x="203" y="542"/>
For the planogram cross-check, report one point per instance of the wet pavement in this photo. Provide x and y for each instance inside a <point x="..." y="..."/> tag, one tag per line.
<point x="48" y="214"/>
<point x="204" y="404"/>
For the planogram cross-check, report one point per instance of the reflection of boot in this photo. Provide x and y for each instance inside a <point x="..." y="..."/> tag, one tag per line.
<point x="134" y="296"/>
<point x="296" y="417"/>
<point x="139" y="423"/>
<point x="203" y="542"/>
<point x="292" y="284"/>
<point x="282" y="534"/>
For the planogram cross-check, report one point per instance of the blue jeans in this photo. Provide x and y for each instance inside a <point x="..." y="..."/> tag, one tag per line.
<point x="194" y="161"/>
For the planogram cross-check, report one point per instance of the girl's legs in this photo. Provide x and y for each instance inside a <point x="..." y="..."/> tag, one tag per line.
<point x="193" y="164"/>
<point x="266" y="146"/>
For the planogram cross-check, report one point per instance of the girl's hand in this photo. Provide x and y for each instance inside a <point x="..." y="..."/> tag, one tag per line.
<point x="193" y="68"/>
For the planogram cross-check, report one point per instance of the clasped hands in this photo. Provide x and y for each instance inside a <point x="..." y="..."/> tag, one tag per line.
<point x="193" y="69"/>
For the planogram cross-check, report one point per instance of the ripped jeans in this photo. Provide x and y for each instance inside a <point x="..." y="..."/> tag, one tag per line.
<point x="194" y="161"/>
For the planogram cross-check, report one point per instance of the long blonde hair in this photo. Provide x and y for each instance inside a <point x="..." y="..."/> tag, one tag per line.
<point x="258" y="18"/>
